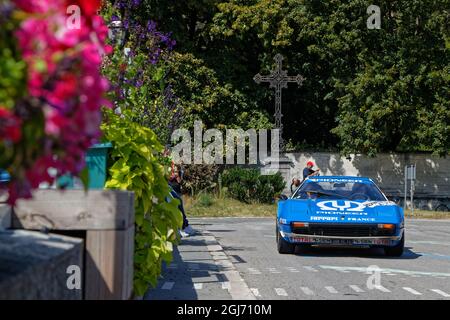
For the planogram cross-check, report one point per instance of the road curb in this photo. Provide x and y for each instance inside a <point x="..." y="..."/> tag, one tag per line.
<point x="236" y="286"/>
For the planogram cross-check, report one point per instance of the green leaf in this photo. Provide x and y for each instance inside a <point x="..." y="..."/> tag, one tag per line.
<point x="84" y="176"/>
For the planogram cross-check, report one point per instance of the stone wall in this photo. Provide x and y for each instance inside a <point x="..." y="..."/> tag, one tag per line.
<point x="433" y="173"/>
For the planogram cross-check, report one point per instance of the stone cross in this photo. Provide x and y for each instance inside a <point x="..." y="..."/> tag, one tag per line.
<point x="278" y="80"/>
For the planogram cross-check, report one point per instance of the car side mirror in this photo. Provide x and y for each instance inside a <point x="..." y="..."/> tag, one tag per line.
<point x="283" y="197"/>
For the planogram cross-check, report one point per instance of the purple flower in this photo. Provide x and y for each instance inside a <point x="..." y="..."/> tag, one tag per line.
<point x="151" y="26"/>
<point x="6" y="10"/>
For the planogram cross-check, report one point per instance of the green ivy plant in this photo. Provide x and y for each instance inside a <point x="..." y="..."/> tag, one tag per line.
<point x="137" y="167"/>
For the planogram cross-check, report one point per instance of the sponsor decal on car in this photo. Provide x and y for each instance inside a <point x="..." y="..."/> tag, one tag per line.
<point x="335" y="180"/>
<point x="336" y="205"/>
<point x="318" y="218"/>
<point x="372" y="204"/>
<point x="329" y="241"/>
<point x="343" y="213"/>
<point x="353" y="219"/>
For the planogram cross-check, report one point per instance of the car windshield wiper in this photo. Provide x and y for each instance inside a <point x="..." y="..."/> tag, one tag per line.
<point x="326" y="194"/>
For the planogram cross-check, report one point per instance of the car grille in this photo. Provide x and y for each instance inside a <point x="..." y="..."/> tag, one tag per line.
<point x="344" y="230"/>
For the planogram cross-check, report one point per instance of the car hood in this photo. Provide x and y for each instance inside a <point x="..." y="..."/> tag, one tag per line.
<point x="339" y="211"/>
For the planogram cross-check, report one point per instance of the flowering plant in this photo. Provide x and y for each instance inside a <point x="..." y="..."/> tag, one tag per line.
<point x="51" y="89"/>
<point x="144" y="114"/>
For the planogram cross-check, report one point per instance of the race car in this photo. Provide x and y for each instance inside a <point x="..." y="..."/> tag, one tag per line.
<point x="339" y="211"/>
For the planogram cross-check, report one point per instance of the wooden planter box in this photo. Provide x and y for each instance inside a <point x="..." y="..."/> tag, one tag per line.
<point x="105" y="218"/>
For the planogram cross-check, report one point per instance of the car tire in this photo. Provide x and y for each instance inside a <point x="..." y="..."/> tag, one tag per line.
<point x="397" y="250"/>
<point x="283" y="246"/>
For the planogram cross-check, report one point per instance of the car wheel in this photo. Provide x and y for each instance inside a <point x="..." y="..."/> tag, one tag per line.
<point x="283" y="246"/>
<point x="396" y="251"/>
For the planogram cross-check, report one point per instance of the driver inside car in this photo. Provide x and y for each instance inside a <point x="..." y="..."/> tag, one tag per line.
<point x="360" y="191"/>
<point x="314" y="187"/>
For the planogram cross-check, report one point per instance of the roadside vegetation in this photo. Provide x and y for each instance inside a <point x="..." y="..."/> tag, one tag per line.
<point x="207" y="205"/>
<point x="427" y="214"/>
<point x="212" y="205"/>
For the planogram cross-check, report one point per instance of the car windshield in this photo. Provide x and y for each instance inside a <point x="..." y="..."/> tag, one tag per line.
<point x="339" y="189"/>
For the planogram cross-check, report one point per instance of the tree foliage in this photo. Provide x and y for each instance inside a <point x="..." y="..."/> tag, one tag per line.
<point x="366" y="90"/>
<point x="136" y="167"/>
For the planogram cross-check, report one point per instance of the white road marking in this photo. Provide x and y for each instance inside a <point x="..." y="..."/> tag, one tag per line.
<point x="281" y="292"/>
<point x="331" y="290"/>
<point x="439" y="254"/>
<point x="255" y="292"/>
<point x="194" y="266"/>
<point x="254" y="271"/>
<point x="214" y="247"/>
<point x="219" y="253"/>
<point x="310" y="268"/>
<point x="431" y="242"/>
<point x="410" y="290"/>
<point x="273" y="270"/>
<point x="356" y="288"/>
<point x="442" y="293"/>
<point x="224" y="263"/>
<point x="226" y="285"/>
<point x="198" y="286"/>
<point x="396" y="271"/>
<point x="239" y="290"/>
<point x="167" y="285"/>
<point x="381" y="288"/>
<point x="307" y="291"/>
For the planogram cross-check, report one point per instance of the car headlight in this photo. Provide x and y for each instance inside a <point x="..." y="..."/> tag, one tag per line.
<point x="283" y="221"/>
<point x="386" y="226"/>
<point x="300" y="224"/>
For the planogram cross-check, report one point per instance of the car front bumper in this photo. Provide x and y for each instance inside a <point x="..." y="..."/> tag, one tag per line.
<point x="341" y="240"/>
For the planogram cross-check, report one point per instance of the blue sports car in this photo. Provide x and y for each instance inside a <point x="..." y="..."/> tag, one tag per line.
<point x="339" y="211"/>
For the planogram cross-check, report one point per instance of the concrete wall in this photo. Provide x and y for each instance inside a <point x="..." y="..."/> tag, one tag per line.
<point x="433" y="173"/>
<point x="33" y="265"/>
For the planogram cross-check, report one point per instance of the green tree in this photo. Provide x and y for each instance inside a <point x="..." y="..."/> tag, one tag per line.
<point x="366" y="90"/>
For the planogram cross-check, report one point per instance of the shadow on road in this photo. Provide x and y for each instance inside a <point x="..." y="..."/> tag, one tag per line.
<point x="192" y="265"/>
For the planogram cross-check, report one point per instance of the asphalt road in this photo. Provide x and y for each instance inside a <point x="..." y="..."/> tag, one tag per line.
<point x="241" y="253"/>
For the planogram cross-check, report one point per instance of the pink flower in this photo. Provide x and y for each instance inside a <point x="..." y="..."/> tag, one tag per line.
<point x="9" y="126"/>
<point x="64" y="76"/>
<point x="88" y="7"/>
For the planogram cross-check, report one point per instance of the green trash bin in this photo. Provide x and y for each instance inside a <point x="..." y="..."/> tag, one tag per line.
<point x="96" y="162"/>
